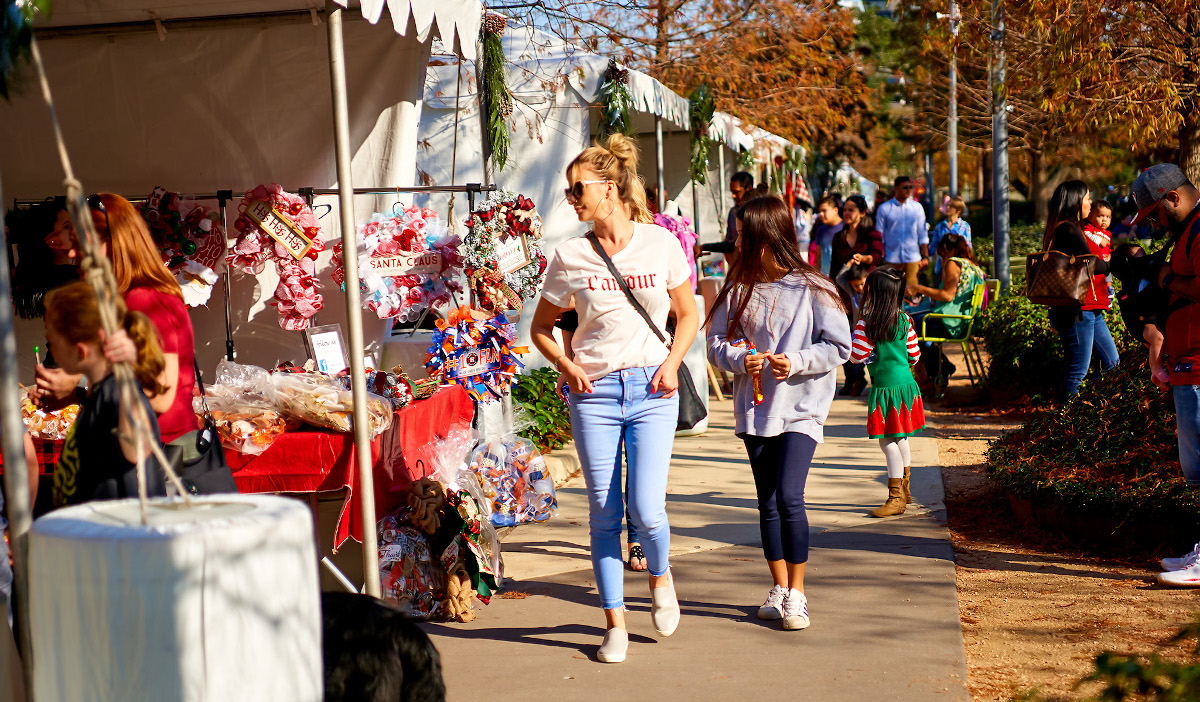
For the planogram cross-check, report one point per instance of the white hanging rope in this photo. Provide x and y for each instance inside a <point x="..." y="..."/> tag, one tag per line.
<point x="98" y="273"/>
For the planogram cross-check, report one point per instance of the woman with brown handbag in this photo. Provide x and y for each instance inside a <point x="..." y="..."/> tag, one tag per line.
<point x="1082" y="327"/>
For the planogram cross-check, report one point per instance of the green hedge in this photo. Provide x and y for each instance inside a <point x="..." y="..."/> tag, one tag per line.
<point x="1026" y="353"/>
<point x="1108" y="453"/>
<point x="549" y="417"/>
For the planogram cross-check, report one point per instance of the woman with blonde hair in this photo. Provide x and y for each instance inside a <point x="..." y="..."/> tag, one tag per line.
<point x="148" y="287"/>
<point x="623" y="379"/>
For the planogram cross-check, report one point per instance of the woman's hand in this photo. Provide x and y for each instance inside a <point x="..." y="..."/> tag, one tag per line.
<point x="862" y="259"/>
<point x="911" y="290"/>
<point x="575" y="377"/>
<point x="781" y="365"/>
<point x="53" y="384"/>
<point x="119" y="348"/>
<point x="755" y="361"/>
<point x="665" y="380"/>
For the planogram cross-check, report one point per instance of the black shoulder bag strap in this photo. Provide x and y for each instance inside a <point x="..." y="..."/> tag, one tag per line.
<point x="625" y="287"/>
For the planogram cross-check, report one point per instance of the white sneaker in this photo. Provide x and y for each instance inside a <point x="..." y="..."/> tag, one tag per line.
<point x="795" y="611"/>
<point x="773" y="608"/>
<point x="1187" y="577"/>
<point x="1184" y="561"/>
<point x="664" y="609"/>
<point x="612" y="650"/>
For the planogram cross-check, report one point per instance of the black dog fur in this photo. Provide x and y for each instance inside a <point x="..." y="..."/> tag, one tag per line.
<point x="373" y="653"/>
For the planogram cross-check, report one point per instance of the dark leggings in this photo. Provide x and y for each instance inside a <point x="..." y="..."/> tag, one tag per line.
<point x="780" y="464"/>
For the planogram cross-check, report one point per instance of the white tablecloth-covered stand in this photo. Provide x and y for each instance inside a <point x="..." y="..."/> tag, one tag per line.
<point x="215" y="603"/>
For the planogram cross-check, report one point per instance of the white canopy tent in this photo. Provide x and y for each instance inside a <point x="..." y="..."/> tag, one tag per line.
<point x="201" y="97"/>
<point x="555" y="88"/>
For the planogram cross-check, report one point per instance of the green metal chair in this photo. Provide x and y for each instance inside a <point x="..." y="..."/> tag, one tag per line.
<point x="970" y="347"/>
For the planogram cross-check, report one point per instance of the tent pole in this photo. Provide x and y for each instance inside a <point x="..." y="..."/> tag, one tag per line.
<point x="16" y="471"/>
<point x="358" y="380"/>
<point x="722" y="179"/>
<point x="658" y="161"/>
<point x="223" y="198"/>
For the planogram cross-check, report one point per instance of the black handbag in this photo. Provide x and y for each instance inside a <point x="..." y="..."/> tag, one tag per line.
<point x="204" y="470"/>
<point x="691" y="406"/>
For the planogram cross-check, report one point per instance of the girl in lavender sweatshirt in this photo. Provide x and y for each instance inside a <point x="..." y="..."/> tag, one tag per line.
<point x="780" y="327"/>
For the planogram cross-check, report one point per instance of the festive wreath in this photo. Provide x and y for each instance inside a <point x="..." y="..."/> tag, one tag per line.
<point x="278" y="226"/>
<point x="477" y="354"/>
<point x="504" y="220"/>
<point x="191" y="240"/>
<point x="407" y="263"/>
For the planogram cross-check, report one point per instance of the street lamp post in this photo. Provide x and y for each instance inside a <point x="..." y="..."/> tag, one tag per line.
<point x="999" y="150"/>
<point x="953" y="126"/>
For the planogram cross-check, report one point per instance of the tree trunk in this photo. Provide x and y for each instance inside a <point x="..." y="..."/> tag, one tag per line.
<point x="985" y="173"/>
<point x="1189" y="143"/>
<point x="980" y="174"/>
<point x="1037" y="185"/>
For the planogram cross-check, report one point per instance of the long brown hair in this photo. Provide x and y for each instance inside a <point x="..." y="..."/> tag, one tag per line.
<point x="135" y="259"/>
<point x="767" y="232"/>
<point x="1066" y="205"/>
<point x="617" y="160"/>
<point x="72" y="312"/>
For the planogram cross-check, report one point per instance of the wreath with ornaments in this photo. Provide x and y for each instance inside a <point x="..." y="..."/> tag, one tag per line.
<point x="278" y="227"/>
<point x="191" y="240"/>
<point x="504" y="223"/>
<point x="408" y="261"/>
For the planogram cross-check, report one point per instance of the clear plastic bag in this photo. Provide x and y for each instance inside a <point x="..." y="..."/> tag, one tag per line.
<point x="244" y="406"/>
<point x="409" y="576"/>
<point x="514" y="480"/>
<point x="450" y="462"/>
<point x="321" y="401"/>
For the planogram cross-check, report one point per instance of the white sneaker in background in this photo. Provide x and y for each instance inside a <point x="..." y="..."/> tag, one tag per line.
<point x="1184" y="561"/>
<point x="1187" y="577"/>
<point x="795" y="611"/>
<point x="773" y="608"/>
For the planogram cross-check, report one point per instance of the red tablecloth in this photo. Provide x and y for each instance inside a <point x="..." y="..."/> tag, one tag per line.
<point x="48" y="451"/>
<point x="320" y="461"/>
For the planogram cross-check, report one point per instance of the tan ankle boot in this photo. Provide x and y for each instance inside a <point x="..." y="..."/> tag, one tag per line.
<point x="907" y="494"/>
<point x="895" y="500"/>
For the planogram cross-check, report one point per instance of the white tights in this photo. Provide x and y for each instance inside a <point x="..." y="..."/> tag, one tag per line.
<point x="895" y="452"/>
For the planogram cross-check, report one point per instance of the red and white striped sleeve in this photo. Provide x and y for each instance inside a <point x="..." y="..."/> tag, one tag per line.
<point x="914" y="350"/>
<point x="860" y="348"/>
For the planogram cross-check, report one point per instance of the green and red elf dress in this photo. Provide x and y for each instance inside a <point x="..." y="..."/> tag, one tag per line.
<point x="894" y="407"/>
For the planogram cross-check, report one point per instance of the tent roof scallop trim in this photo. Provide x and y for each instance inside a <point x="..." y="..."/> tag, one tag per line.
<point x="455" y="21"/>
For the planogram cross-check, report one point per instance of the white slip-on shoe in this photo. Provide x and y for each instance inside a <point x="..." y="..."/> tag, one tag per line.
<point x="773" y="608"/>
<point x="1187" y="577"/>
<point x="616" y="643"/>
<point x="795" y="611"/>
<point x="664" y="609"/>
<point x="1184" y="561"/>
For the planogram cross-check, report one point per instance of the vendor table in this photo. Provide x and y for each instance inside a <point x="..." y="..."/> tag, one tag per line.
<point x="48" y="451"/>
<point x="324" y="461"/>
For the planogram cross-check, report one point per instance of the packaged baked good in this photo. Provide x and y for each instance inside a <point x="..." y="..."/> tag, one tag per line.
<point x="320" y="400"/>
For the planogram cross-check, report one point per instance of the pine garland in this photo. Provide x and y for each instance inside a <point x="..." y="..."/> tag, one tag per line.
<point x="702" y="109"/>
<point x="745" y="159"/>
<point x="615" y="102"/>
<point x="497" y="98"/>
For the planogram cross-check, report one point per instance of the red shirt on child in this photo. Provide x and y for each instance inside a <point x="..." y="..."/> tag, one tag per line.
<point x="170" y="317"/>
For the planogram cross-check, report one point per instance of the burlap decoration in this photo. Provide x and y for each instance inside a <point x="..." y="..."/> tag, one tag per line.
<point x="460" y="594"/>
<point x="427" y="500"/>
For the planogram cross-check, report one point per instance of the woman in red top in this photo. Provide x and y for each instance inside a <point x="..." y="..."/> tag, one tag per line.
<point x="1082" y="328"/>
<point x="148" y="287"/>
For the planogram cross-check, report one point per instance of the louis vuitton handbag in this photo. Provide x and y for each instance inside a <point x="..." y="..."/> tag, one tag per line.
<point x="1057" y="279"/>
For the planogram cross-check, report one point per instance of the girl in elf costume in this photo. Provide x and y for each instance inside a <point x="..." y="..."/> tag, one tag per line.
<point x="885" y="340"/>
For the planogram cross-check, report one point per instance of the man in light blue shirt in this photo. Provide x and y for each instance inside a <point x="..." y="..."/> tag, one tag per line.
<point x="901" y="220"/>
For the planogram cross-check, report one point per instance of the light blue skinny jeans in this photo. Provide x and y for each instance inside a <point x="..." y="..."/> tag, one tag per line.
<point x="622" y="414"/>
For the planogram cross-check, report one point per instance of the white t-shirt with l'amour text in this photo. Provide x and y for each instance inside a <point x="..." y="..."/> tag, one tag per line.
<point x="611" y="334"/>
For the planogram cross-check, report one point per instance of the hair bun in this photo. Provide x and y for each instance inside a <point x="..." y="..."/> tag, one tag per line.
<point x="624" y="150"/>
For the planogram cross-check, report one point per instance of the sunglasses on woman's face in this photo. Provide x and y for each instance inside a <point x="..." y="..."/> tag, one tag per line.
<point x="94" y="202"/>
<point x="576" y="191"/>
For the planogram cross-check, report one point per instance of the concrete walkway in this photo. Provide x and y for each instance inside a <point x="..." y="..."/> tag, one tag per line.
<point x="881" y="592"/>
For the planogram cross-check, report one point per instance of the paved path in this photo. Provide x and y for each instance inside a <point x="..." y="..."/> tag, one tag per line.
<point x="881" y="592"/>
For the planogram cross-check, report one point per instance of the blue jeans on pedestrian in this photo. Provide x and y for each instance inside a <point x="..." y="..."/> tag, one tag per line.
<point x="780" y="465"/>
<point x="622" y="415"/>
<point x="1082" y="332"/>
<point x="1187" y="430"/>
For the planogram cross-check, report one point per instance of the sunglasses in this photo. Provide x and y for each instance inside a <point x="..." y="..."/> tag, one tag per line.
<point x="576" y="191"/>
<point x="94" y="202"/>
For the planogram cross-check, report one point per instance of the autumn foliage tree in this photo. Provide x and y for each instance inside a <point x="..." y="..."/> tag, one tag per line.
<point x="788" y="67"/>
